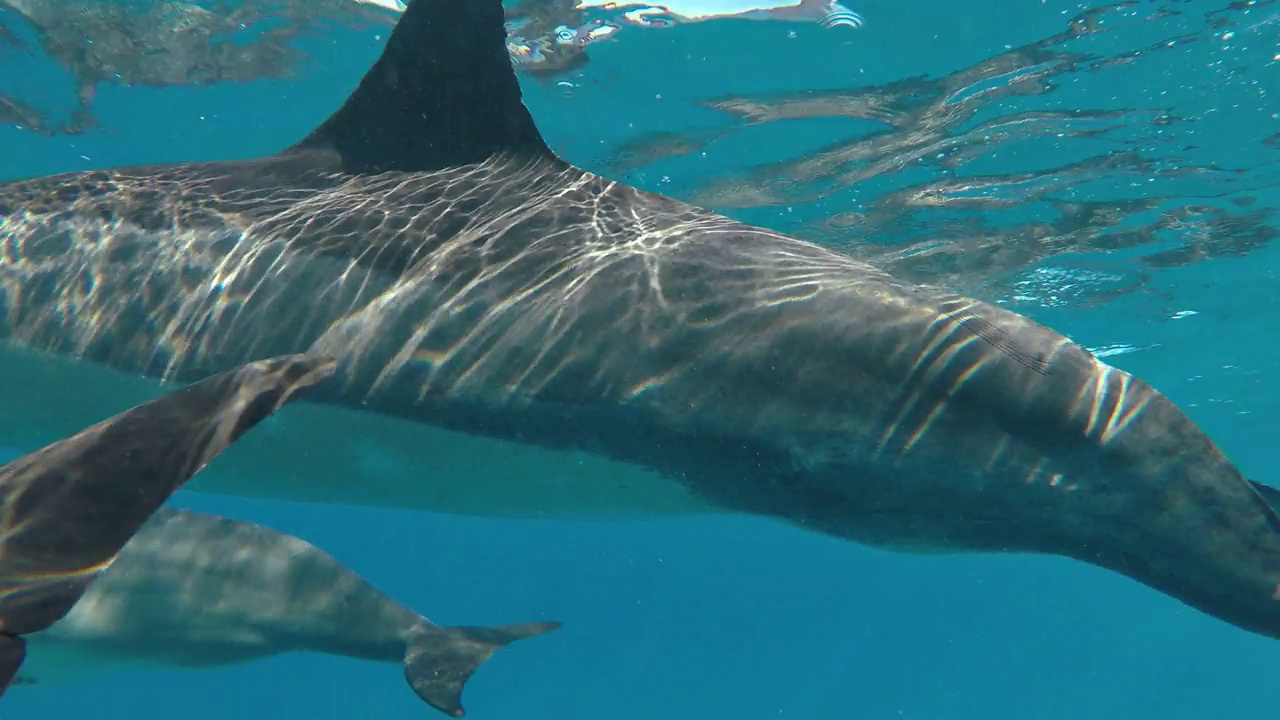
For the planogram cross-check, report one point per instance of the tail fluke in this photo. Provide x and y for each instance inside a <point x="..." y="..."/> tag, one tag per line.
<point x="13" y="650"/>
<point x="439" y="663"/>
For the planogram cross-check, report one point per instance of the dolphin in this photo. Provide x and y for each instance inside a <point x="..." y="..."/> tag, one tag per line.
<point x="194" y="590"/>
<point x="66" y="510"/>
<point x="601" y="351"/>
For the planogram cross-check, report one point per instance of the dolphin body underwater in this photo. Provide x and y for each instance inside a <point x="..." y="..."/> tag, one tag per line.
<point x="195" y="590"/>
<point x="562" y="345"/>
<point x="68" y="509"/>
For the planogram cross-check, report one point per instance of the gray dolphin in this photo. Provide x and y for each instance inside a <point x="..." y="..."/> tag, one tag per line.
<point x="596" y="349"/>
<point x="67" y="509"/>
<point x="195" y="590"/>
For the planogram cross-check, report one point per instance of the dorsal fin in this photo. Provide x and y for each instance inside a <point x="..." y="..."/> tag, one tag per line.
<point x="442" y="94"/>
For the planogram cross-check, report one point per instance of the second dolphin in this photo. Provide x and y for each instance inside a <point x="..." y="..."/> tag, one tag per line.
<point x="195" y="590"/>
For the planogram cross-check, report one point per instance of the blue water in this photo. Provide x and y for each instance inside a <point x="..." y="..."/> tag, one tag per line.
<point x="742" y="618"/>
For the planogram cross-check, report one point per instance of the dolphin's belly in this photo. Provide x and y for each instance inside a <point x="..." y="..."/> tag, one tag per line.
<point x="58" y="655"/>
<point x="50" y="661"/>
<point x="326" y="453"/>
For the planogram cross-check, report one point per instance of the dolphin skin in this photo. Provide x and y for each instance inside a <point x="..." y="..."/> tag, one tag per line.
<point x="194" y="590"/>
<point x="601" y="351"/>
<point x="66" y="510"/>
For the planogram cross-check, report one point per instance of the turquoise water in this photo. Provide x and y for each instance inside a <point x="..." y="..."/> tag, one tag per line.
<point x="741" y="617"/>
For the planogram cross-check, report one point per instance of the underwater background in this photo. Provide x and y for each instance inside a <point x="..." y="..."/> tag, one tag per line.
<point x="1109" y="171"/>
